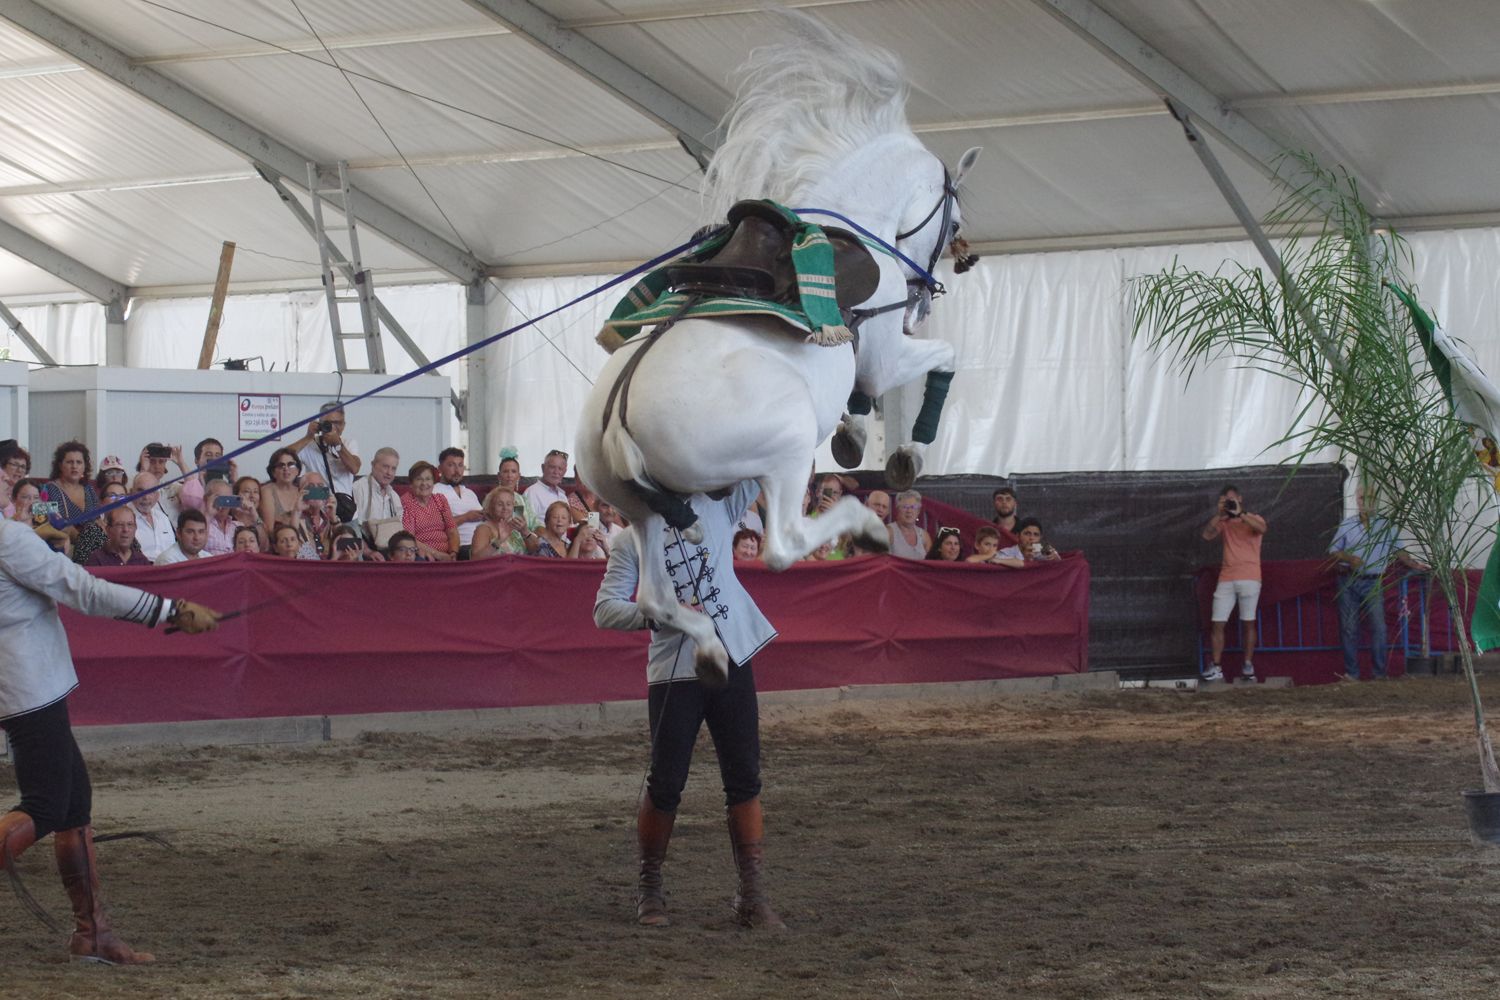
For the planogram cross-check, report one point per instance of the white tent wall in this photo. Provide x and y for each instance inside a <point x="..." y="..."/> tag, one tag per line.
<point x="539" y="376"/>
<point x="72" y="332"/>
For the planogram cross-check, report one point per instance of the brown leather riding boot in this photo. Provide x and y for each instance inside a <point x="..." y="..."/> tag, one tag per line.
<point x="653" y="829"/>
<point x="93" y="940"/>
<point x="17" y="832"/>
<point x="746" y="833"/>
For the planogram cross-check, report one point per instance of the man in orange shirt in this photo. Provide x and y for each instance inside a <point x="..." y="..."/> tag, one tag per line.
<point x="1239" y="576"/>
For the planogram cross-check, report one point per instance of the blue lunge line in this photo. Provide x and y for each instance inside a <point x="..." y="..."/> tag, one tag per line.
<point x="654" y="262"/>
<point x="431" y="365"/>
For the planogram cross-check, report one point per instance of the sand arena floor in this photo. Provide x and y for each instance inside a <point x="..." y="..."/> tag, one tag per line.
<point x="1296" y="843"/>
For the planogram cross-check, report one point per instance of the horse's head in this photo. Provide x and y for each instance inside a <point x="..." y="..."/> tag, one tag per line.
<point x="932" y="224"/>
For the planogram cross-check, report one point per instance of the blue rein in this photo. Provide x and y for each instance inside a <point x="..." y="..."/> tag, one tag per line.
<point x="922" y="274"/>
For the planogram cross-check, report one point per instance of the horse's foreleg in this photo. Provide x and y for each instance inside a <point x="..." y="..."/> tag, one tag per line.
<point x="905" y="463"/>
<point x="662" y="595"/>
<point x="848" y="442"/>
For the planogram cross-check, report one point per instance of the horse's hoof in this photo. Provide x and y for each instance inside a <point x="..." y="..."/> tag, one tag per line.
<point x="848" y="450"/>
<point x="902" y="469"/>
<point x="710" y="673"/>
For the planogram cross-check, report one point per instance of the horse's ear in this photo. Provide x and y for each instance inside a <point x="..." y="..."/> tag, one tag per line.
<point x="966" y="163"/>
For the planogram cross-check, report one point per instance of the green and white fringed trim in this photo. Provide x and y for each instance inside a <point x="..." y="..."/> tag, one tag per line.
<point x="812" y="258"/>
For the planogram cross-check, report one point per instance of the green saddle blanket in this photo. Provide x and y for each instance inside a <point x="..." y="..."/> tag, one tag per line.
<point x="815" y="315"/>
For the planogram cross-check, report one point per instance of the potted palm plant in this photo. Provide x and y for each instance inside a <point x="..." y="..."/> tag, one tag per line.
<point x="1397" y="398"/>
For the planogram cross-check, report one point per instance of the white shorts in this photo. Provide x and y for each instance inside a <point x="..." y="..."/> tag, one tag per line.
<point x="1245" y="592"/>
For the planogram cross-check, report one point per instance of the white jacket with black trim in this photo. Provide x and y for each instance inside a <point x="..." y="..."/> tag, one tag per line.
<point x="740" y="625"/>
<point x="36" y="666"/>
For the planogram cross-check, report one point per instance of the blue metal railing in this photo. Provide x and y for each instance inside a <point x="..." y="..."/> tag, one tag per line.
<point x="1314" y="625"/>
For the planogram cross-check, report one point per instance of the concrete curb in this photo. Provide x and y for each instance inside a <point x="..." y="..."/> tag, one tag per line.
<point x="547" y="720"/>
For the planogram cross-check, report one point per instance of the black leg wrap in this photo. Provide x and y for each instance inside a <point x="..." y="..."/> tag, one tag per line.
<point x="934" y="394"/>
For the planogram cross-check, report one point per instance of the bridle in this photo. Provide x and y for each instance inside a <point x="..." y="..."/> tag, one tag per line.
<point x="945" y="202"/>
<point x="921" y="280"/>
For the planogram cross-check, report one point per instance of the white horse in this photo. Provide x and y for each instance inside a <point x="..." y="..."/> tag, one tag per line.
<point x="819" y="123"/>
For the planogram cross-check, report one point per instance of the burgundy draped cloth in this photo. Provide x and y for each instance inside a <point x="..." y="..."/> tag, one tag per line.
<point x="340" y="638"/>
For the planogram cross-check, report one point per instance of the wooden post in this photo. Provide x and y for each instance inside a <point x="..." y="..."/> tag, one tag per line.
<point x="216" y="307"/>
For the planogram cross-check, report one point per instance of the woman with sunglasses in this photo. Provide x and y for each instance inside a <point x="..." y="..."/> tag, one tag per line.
<point x="281" y="496"/>
<point x="947" y="547"/>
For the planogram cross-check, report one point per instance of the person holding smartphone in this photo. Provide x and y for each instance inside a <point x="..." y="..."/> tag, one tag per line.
<point x="192" y="490"/>
<point x="318" y="518"/>
<point x="508" y="527"/>
<point x="220" y="505"/>
<point x="1031" y="548"/>
<point x="588" y="539"/>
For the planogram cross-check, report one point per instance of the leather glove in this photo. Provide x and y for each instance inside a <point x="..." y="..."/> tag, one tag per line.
<point x="193" y="618"/>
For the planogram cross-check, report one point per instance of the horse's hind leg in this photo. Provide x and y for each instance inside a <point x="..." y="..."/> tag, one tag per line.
<point x="790" y="536"/>
<point x="664" y="591"/>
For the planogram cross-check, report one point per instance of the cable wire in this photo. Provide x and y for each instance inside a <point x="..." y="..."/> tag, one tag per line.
<point x="383" y="131"/>
<point x="419" y="95"/>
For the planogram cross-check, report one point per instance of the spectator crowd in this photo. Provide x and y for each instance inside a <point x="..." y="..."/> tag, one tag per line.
<point x="322" y="499"/>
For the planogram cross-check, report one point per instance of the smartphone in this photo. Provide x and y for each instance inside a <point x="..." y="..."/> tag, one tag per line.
<point x="592" y="520"/>
<point x="44" y="509"/>
<point x="158" y="451"/>
<point x="316" y="493"/>
<point x="214" y="472"/>
<point x="345" y="544"/>
<point x="518" y="511"/>
<point x="227" y="503"/>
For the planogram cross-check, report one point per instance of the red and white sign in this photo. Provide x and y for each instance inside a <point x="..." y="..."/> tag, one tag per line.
<point x="258" y="416"/>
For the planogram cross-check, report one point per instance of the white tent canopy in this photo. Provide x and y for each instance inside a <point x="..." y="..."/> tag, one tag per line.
<point x="530" y="141"/>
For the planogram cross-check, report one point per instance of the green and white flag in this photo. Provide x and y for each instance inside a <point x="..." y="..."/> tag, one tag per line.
<point x="1476" y="401"/>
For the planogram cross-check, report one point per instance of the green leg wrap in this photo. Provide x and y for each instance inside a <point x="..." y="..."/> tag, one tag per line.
<point x="859" y="403"/>
<point x="934" y="395"/>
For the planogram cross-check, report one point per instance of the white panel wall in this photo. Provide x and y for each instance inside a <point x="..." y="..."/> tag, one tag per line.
<point x="116" y="411"/>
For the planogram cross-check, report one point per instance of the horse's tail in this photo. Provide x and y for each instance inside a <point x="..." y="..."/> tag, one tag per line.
<point x="623" y="455"/>
<point x="625" y="461"/>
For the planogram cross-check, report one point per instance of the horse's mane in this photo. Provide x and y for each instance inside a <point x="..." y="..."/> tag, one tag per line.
<point x="803" y="104"/>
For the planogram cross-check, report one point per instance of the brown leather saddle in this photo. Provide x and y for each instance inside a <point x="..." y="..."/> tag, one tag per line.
<point x="756" y="262"/>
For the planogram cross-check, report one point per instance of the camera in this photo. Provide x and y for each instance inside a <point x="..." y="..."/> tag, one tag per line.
<point x="325" y="426"/>
<point x="1232" y="507"/>
<point x="158" y="451"/>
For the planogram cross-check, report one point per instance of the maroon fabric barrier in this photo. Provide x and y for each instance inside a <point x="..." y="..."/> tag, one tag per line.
<point x="1299" y="621"/>
<point x="332" y="639"/>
